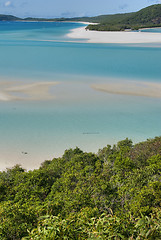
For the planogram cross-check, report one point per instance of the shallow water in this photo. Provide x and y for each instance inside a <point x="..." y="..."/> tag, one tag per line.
<point x="155" y="30"/>
<point x="77" y="115"/>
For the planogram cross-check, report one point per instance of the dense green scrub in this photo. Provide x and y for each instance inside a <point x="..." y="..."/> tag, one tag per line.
<point x="114" y="194"/>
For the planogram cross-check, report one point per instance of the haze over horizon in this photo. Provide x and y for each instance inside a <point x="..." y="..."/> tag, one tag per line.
<point x="70" y="8"/>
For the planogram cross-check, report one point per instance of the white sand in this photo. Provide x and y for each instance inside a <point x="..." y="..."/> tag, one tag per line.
<point x="29" y="91"/>
<point x="134" y="88"/>
<point x="4" y="96"/>
<point x="114" y="37"/>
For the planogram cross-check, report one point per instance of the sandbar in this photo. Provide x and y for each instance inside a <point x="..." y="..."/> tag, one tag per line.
<point x="133" y="88"/>
<point x="114" y="37"/>
<point x="11" y="91"/>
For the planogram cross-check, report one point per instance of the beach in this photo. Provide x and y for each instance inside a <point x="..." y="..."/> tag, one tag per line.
<point x="114" y="37"/>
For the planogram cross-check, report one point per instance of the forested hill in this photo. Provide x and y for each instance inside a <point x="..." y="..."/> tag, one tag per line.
<point x="146" y="17"/>
<point x="9" y="18"/>
<point x="114" y="194"/>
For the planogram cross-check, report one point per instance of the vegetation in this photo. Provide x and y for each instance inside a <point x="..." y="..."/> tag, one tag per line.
<point x="145" y="18"/>
<point x="114" y="194"/>
<point x="8" y="18"/>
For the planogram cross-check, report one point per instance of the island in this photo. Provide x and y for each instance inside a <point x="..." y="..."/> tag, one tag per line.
<point x="148" y="17"/>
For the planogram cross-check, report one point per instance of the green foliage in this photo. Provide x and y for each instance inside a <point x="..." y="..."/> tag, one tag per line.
<point x="145" y="18"/>
<point x="109" y="226"/>
<point x="114" y="194"/>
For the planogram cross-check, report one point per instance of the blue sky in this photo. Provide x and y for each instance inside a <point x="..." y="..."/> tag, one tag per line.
<point x="71" y="8"/>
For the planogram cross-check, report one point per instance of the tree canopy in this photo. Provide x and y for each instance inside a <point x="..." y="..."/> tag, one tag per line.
<point x="114" y="194"/>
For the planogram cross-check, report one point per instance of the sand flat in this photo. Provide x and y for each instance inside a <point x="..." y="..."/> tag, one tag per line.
<point x="114" y="37"/>
<point x="11" y="91"/>
<point x="133" y="88"/>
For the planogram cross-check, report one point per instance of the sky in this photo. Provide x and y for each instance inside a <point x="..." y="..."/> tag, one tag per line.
<point x="70" y="8"/>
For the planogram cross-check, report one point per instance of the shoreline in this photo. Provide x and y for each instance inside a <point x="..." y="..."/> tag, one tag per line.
<point x="114" y="37"/>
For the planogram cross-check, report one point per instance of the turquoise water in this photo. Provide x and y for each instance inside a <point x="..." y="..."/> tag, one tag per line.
<point x="155" y="30"/>
<point x="78" y="115"/>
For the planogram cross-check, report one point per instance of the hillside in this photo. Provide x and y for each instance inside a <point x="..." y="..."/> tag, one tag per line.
<point x="146" y="17"/>
<point x="8" y="18"/>
<point x="114" y="194"/>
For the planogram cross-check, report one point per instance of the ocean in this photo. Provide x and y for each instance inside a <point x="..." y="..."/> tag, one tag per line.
<point x="47" y="99"/>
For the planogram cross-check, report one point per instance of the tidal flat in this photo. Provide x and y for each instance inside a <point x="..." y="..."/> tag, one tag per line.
<point x="57" y="93"/>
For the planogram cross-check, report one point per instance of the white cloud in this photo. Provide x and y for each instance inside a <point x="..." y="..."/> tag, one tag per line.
<point x="7" y="4"/>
